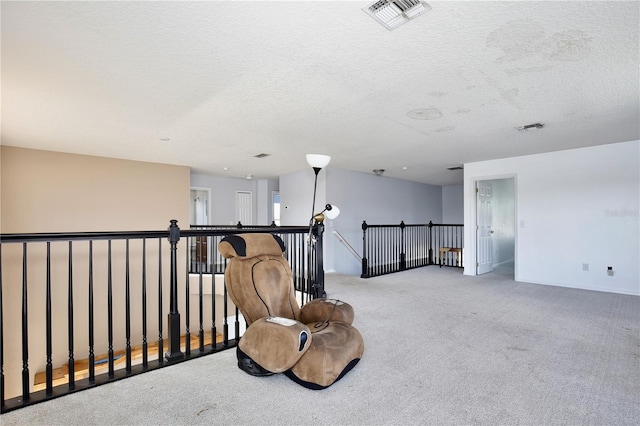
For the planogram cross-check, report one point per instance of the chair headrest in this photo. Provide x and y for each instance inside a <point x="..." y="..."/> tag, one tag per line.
<point x="251" y="245"/>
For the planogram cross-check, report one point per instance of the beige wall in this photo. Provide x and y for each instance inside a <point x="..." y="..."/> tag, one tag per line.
<point x="45" y="191"/>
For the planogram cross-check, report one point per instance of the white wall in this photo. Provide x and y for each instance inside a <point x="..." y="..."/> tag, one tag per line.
<point x="572" y="207"/>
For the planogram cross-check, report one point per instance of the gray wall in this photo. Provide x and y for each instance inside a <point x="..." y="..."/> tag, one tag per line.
<point x="378" y="200"/>
<point x="296" y="195"/>
<point x="360" y="196"/>
<point x="223" y="197"/>
<point x="453" y="204"/>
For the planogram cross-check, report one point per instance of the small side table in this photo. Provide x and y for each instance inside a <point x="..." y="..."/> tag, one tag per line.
<point x="445" y="250"/>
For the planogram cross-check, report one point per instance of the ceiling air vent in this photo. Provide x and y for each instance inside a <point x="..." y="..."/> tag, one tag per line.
<point x="393" y="13"/>
<point x="534" y="126"/>
<point x="455" y="168"/>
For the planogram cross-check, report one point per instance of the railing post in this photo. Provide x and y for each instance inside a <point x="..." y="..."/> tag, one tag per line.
<point x="174" y="353"/>
<point x="1" y="341"/>
<point x="318" y="285"/>
<point x="430" y="242"/>
<point x="365" y="262"/>
<point x="403" y="254"/>
<point x="25" y="328"/>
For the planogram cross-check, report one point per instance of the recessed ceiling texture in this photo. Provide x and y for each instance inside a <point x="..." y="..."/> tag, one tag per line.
<point x="213" y="84"/>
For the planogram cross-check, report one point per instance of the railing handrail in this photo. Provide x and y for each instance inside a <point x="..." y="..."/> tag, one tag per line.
<point x="395" y="225"/>
<point x="344" y="241"/>
<point x="218" y="232"/>
<point x="239" y="225"/>
<point x="123" y="235"/>
<point x="304" y="255"/>
<point x="69" y="236"/>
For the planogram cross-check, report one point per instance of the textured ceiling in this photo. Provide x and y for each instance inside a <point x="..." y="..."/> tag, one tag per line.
<point x="212" y="84"/>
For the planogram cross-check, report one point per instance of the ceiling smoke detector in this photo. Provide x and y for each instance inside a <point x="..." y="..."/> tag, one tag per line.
<point x="262" y="155"/>
<point x="393" y="13"/>
<point x="534" y="126"/>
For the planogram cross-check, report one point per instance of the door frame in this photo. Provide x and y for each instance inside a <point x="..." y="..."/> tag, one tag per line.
<point x="470" y="222"/>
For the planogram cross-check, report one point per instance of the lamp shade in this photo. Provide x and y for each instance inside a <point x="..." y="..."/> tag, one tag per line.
<point x="333" y="213"/>
<point x="318" y="160"/>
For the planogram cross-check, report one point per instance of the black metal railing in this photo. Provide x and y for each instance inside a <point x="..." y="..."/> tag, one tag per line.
<point x="393" y="248"/>
<point x="203" y="254"/>
<point x="105" y="298"/>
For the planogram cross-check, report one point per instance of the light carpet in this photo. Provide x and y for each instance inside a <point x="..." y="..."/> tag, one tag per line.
<point x="440" y="349"/>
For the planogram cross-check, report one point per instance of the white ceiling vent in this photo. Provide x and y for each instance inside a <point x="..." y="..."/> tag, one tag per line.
<point x="393" y="13"/>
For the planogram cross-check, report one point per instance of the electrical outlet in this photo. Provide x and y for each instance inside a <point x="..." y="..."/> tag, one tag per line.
<point x="610" y="271"/>
<point x="585" y="267"/>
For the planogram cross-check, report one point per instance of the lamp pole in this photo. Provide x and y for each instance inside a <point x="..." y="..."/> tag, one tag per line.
<point x="310" y="282"/>
<point x="317" y="162"/>
<point x="316" y="170"/>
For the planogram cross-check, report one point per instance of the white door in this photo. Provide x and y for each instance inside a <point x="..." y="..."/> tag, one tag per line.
<point x="244" y="207"/>
<point x="484" y="250"/>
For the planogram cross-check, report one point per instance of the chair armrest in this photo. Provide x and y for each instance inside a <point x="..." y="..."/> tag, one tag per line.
<point x="325" y="310"/>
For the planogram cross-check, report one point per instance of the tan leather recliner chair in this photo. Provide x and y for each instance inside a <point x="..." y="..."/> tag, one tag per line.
<point x="315" y="345"/>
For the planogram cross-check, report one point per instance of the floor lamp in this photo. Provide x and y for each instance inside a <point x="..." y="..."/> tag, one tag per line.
<point x="317" y="162"/>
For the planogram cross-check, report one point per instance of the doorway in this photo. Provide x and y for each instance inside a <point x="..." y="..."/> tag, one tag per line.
<point x="495" y="226"/>
<point x="200" y="207"/>
<point x="199" y="214"/>
<point x="276" y="207"/>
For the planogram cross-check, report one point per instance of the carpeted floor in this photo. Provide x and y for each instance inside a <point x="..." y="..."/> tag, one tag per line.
<point x="440" y="349"/>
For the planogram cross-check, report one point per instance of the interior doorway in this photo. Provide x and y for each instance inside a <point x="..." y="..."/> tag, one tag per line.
<point x="199" y="214"/>
<point x="276" y="207"/>
<point x="484" y="227"/>
<point x="200" y="207"/>
<point x="495" y="230"/>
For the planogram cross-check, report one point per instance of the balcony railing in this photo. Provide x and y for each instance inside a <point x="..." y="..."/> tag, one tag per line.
<point x="79" y="310"/>
<point x="203" y="249"/>
<point x="394" y="248"/>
